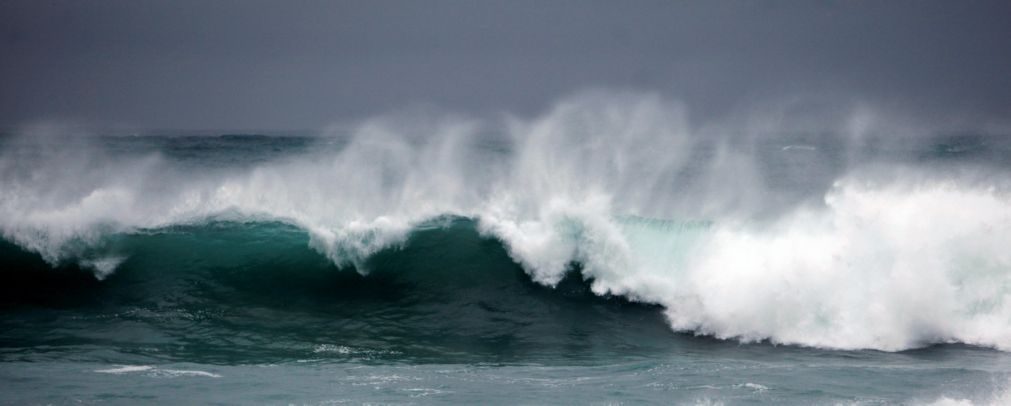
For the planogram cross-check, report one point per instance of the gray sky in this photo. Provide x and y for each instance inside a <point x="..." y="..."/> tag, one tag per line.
<point x="303" y="64"/>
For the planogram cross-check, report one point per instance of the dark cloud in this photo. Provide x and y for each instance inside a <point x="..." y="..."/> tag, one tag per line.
<point x="301" y="64"/>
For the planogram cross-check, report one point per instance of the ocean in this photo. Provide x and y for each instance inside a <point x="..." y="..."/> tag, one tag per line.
<point x="604" y="253"/>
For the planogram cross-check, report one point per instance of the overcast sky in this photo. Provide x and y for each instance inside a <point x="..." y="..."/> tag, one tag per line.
<point x="303" y="64"/>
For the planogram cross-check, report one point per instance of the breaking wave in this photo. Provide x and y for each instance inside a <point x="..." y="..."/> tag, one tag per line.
<point x="736" y="239"/>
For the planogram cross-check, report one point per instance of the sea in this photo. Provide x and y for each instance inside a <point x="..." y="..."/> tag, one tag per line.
<point x="608" y="251"/>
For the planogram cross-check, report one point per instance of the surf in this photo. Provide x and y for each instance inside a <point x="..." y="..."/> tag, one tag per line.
<point x="856" y="252"/>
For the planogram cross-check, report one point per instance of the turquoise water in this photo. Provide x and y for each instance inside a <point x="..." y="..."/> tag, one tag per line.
<point x="226" y="296"/>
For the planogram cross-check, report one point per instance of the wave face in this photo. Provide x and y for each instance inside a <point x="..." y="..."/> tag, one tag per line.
<point x="240" y="292"/>
<point x="845" y="241"/>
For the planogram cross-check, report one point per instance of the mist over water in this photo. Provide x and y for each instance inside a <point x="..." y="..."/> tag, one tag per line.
<point x="845" y="231"/>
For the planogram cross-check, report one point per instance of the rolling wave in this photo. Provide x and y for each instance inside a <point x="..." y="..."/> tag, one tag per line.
<point x="622" y="190"/>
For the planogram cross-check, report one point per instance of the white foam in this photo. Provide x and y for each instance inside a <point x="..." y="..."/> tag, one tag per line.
<point x="104" y="266"/>
<point x="753" y="386"/>
<point x="125" y="369"/>
<point x="183" y="372"/>
<point x="884" y="267"/>
<point x="353" y="351"/>
<point x="157" y="372"/>
<point x="1000" y="397"/>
